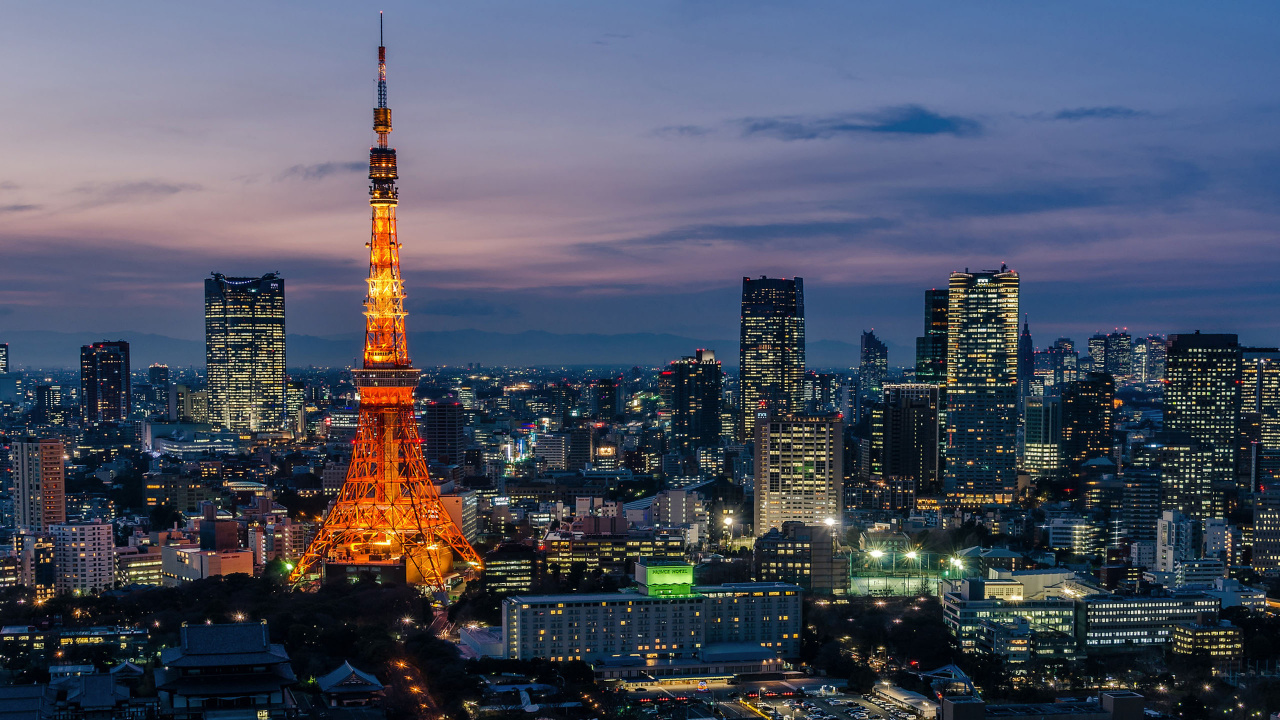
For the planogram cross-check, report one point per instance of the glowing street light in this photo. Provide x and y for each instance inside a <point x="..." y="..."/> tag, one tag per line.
<point x="877" y="554"/>
<point x="913" y="555"/>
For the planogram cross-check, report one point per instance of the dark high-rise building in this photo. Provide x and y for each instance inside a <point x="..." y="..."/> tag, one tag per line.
<point x="445" y="436"/>
<point x="1088" y="406"/>
<point x="771" y="349"/>
<point x="48" y="407"/>
<point x="1185" y="467"/>
<point x="695" y="385"/>
<point x="158" y="376"/>
<point x="582" y="448"/>
<point x="4" y="357"/>
<point x="904" y="434"/>
<point x="1202" y="398"/>
<point x="982" y="386"/>
<point x="245" y="352"/>
<point x="931" y="349"/>
<point x="105" y="390"/>
<point x="873" y="368"/>
<point x="604" y="398"/>
<point x="1026" y="364"/>
<point x="512" y="569"/>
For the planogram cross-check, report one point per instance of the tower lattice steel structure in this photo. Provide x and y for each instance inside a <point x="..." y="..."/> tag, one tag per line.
<point x="388" y="514"/>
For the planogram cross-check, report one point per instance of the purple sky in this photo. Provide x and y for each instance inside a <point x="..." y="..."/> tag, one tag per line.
<point x="618" y="167"/>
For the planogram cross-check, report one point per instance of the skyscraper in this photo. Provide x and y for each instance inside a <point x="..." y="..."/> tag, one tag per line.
<point x="105" y="389"/>
<point x="158" y="376"/>
<point x="604" y="398"/>
<point x="1112" y="353"/>
<point x="695" y="389"/>
<point x="1261" y="391"/>
<point x="4" y="357"/>
<point x="931" y="348"/>
<point x="1026" y="363"/>
<point x="39" y="482"/>
<point x="904" y="435"/>
<point x="982" y="386"/>
<point x="873" y="368"/>
<point x="771" y="349"/>
<point x="446" y="432"/>
<point x="799" y="471"/>
<point x="1087" y="411"/>
<point x="245" y="351"/>
<point x="1202" y="398"/>
<point x="1042" y="437"/>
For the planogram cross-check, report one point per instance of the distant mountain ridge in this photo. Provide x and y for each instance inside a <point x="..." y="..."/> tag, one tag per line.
<point x="31" y="349"/>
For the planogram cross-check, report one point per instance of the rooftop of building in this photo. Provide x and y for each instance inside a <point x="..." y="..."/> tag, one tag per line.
<point x="224" y="645"/>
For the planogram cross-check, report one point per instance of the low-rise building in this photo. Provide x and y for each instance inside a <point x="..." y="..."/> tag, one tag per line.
<point x="1220" y="642"/>
<point x="1114" y="622"/>
<point x="217" y="668"/>
<point x="668" y="627"/>
<point x="182" y="563"/>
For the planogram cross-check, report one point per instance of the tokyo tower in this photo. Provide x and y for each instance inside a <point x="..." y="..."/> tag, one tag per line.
<point x="388" y="518"/>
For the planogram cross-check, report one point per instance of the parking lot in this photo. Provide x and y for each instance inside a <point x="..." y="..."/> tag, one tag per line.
<point x="844" y="707"/>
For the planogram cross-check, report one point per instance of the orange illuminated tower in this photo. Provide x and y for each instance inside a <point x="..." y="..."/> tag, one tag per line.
<point x="388" y="518"/>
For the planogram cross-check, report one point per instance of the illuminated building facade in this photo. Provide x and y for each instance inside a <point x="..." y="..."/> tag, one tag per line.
<point x="799" y="471"/>
<point x="84" y="555"/>
<point x="388" y="519"/>
<point x="670" y="622"/>
<point x="982" y="387"/>
<point x="1202" y="398"/>
<point x="39" y="482"/>
<point x="244" y="352"/>
<point x="105" y="389"/>
<point x="771" y="349"/>
<point x="4" y="357"/>
<point x="1042" y="437"/>
<point x="1261" y="394"/>
<point x="692" y="386"/>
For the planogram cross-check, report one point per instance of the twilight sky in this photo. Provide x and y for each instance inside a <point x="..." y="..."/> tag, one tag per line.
<point x="618" y="167"/>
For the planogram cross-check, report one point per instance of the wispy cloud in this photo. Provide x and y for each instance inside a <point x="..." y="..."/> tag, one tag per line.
<point x="17" y="208"/>
<point x="1168" y="183"/>
<point x="97" y="194"/>
<point x="8" y="185"/>
<point x="320" y="171"/>
<point x="682" y="131"/>
<point x="900" y="120"/>
<point x="1108" y="112"/>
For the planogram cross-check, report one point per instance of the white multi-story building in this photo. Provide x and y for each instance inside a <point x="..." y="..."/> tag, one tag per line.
<point x="799" y="471"/>
<point x="668" y="624"/>
<point x="84" y="556"/>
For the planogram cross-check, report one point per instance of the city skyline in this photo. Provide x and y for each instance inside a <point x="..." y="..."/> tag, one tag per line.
<point x="812" y="142"/>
